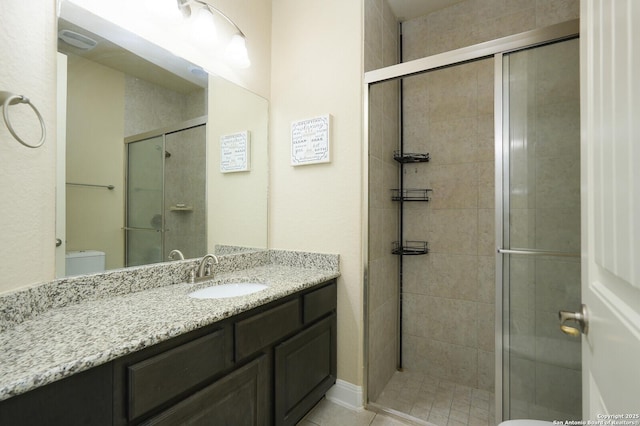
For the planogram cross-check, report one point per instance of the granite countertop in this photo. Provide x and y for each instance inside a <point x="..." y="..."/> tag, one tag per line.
<point x="66" y="340"/>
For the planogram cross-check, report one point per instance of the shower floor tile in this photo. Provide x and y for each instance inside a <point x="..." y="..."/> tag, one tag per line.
<point x="436" y="401"/>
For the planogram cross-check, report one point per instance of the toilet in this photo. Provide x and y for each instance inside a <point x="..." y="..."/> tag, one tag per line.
<point x="84" y="262"/>
<point x="525" y="422"/>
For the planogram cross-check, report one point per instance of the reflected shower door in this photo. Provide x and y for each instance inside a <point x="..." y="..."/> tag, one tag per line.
<point x="144" y="220"/>
<point x="541" y="232"/>
<point x="185" y="192"/>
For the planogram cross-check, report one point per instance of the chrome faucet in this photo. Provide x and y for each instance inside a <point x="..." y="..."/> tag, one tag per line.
<point x="174" y="253"/>
<point x="204" y="269"/>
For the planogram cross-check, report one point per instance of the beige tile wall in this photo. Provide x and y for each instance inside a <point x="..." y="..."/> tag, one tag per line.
<point x="448" y="310"/>
<point x="187" y="230"/>
<point x="150" y="107"/>
<point x="475" y="21"/>
<point x="449" y="294"/>
<point x="381" y="50"/>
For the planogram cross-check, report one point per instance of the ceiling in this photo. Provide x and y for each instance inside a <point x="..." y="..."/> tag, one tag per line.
<point x="114" y="56"/>
<point x="409" y="9"/>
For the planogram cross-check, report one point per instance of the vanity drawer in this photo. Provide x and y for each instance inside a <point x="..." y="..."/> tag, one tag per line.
<point x="265" y="328"/>
<point x="242" y="397"/>
<point x="160" y="378"/>
<point x="319" y="302"/>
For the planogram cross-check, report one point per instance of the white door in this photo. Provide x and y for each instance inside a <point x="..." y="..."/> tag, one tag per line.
<point x="61" y="144"/>
<point x="610" y="91"/>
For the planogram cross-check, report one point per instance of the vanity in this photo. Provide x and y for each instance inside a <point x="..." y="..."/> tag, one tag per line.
<point x="157" y="356"/>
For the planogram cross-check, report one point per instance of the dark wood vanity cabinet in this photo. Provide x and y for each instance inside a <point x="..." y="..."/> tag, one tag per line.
<point x="267" y="366"/>
<point x="160" y="380"/>
<point x="239" y="398"/>
<point x="82" y="399"/>
<point x="305" y="368"/>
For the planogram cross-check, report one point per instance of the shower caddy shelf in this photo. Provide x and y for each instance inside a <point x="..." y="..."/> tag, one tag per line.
<point x="410" y="194"/>
<point x="410" y="157"/>
<point x="181" y="207"/>
<point x="409" y="248"/>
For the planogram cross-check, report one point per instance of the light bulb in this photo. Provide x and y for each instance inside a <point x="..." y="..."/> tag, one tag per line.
<point x="204" y="26"/>
<point x="237" y="52"/>
<point x="167" y="9"/>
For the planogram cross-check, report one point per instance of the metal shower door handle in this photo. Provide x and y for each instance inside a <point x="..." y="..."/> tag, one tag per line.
<point x="579" y="317"/>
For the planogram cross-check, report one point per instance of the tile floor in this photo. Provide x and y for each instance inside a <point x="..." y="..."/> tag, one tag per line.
<point x="327" y="413"/>
<point x="437" y="401"/>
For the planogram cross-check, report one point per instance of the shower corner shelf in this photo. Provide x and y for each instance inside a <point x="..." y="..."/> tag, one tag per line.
<point x="410" y="248"/>
<point x="410" y="157"/>
<point x="181" y="208"/>
<point x="410" y="194"/>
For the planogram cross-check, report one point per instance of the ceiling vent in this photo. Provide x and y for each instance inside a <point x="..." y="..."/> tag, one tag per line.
<point x="77" y="40"/>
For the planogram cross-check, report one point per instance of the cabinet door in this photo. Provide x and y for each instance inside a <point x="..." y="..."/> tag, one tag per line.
<point x="161" y="378"/>
<point x="266" y="328"/>
<point x="305" y="369"/>
<point x="81" y="399"/>
<point x="239" y="399"/>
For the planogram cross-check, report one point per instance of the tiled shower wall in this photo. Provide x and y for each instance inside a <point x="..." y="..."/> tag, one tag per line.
<point x="185" y="182"/>
<point x="381" y="50"/>
<point x="448" y="299"/>
<point x="149" y="106"/>
<point x="448" y="320"/>
<point x="475" y="21"/>
<point x="448" y="295"/>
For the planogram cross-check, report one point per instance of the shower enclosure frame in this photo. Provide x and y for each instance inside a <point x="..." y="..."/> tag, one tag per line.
<point x="495" y="49"/>
<point x="163" y="132"/>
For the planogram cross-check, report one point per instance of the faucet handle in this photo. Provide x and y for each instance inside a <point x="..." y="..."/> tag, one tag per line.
<point x="204" y="268"/>
<point x="176" y="253"/>
<point x="192" y="276"/>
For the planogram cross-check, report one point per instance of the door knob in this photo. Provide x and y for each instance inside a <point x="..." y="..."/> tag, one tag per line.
<point x="580" y="318"/>
<point x="58" y="242"/>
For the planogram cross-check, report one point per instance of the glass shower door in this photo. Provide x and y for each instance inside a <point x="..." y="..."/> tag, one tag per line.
<point x="185" y="192"/>
<point x="541" y="232"/>
<point x="144" y="220"/>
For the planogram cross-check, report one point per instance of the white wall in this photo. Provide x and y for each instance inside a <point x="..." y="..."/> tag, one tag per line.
<point x="95" y="155"/>
<point x="27" y="176"/>
<point x="317" y="69"/>
<point x="242" y="196"/>
<point x="254" y="19"/>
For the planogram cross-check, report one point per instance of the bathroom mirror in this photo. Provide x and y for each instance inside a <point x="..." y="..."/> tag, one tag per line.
<point x="121" y="88"/>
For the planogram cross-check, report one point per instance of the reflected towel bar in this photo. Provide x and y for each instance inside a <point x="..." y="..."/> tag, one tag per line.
<point x="533" y="252"/>
<point x="109" y="187"/>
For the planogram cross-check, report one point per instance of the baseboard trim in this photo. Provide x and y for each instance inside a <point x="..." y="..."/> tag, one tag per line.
<point x="346" y="394"/>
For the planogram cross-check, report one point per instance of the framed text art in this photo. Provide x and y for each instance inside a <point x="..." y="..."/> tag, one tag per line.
<point x="235" y="152"/>
<point x="310" y="141"/>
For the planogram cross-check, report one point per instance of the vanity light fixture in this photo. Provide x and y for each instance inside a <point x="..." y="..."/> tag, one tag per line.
<point x="204" y="28"/>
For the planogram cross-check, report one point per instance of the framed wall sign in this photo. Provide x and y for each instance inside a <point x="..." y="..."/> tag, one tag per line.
<point x="310" y="141"/>
<point x="235" y="152"/>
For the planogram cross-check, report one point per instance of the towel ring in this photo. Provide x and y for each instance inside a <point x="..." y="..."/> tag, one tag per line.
<point x="7" y="99"/>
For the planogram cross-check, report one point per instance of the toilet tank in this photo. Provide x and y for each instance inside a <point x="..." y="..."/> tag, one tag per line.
<point x="84" y="262"/>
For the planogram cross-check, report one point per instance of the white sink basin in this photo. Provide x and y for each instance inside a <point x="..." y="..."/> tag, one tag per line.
<point x="224" y="291"/>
